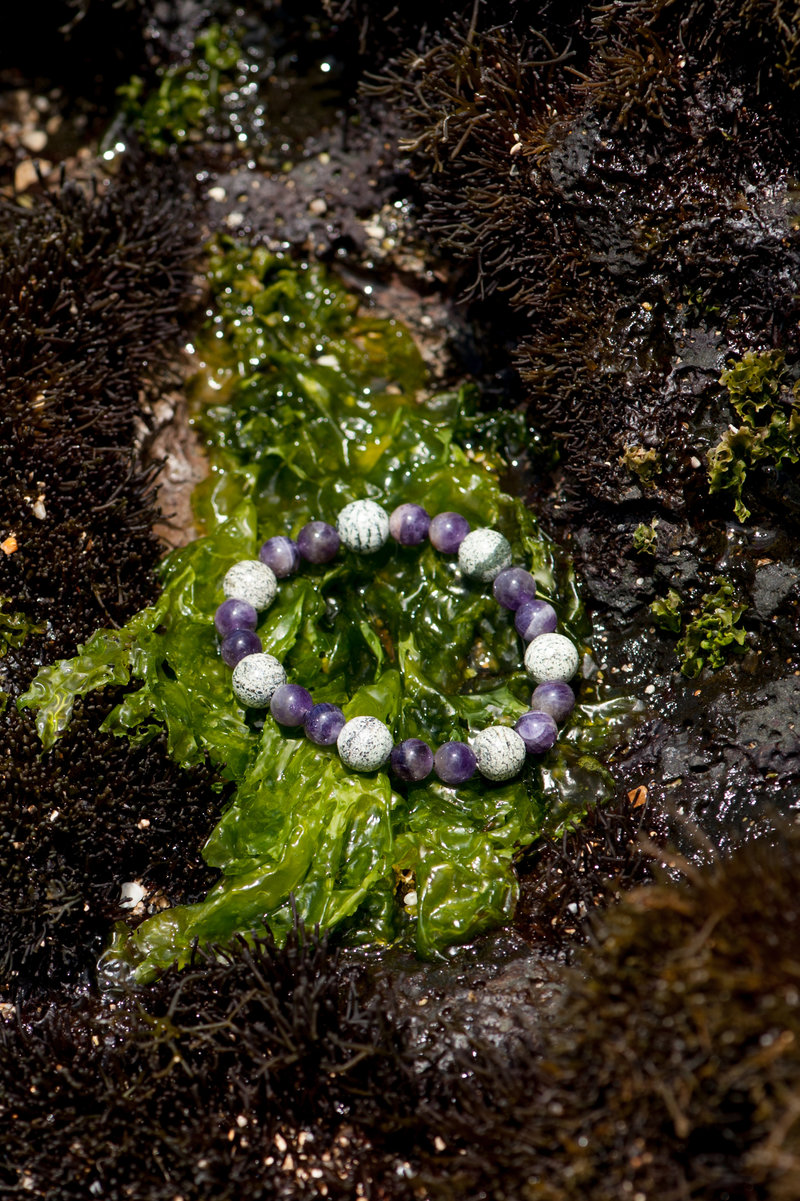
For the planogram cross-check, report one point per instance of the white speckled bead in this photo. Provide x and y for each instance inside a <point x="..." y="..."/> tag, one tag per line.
<point x="500" y="752"/>
<point x="363" y="526"/>
<point x="252" y="581"/>
<point x="364" y="744"/>
<point x="255" y="678"/>
<point x="551" y="657"/>
<point x="484" y="554"/>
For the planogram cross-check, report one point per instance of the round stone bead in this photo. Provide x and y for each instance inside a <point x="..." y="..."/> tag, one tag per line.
<point x="281" y="555"/>
<point x="363" y="526"/>
<point x="554" y="697"/>
<point x="255" y="678"/>
<point x="412" y="759"/>
<point x="454" y="762"/>
<point x="537" y="730"/>
<point x="238" y="644"/>
<point x="513" y="587"/>
<point x="535" y="617"/>
<point x="318" y="542"/>
<point x="291" y="704"/>
<point x="324" y="723"/>
<point x="499" y="751"/>
<point x="364" y="744"/>
<point x="252" y="581"/>
<point x="483" y="555"/>
<point x="551" y="657"/>
<point x="234" y="615"/>
<point x="408" y="524"/>
<point x="447" y="531"/>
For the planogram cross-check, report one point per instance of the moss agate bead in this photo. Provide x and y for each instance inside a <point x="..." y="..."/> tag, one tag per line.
<point x="363" y="526"/>
<point x="255" y="679"/>
<point x="483" y="555"/>
<point x="252" y="581"/>
<point x="551" y="657"/>
<point x="500" y="752"/>
<point x="364" y="744"/>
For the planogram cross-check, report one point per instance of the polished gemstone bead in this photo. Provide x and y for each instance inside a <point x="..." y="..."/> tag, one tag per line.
<point x="447" y="531"/>
<point x="537" y="730"/>
<point x="235" y="615"/>
<point x="409" y="524"/>
<point x="513" y="587"/>
<point x="281" y="555"/>
<point x="454" y="762"/>
<point x="237" y="644"/>
<point x="499" y="751"/>
<point x="535" y="617"/>
<point x="554" y="697"/>
<point x="324" y="723"/>
<point x="412" y="759"/>
<point x="551" y="657"/>
<point x="252" y="581"/>
<point x="318" y="542"/>
<point x="363" y="526"/>
<point x="483" y="555"/>
<point x="291" y="704"/>
<point x="256" y="677"/>
<point x="364" y="744"/>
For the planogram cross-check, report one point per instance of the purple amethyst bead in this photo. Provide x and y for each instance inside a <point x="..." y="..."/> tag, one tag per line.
<point x="408" y="524"/>
<point x="324" y="723"/>
<point x="538" y="731"/>
<point x="235" y="615"/>
<point x="411" y="760"/>
<point x="514" y="587"/>
<point x="554" y="697"/>
<point x="454" y="762"/>
<point x="447" y="531"/>
<point x="238" y="645"/>
<point x="281" y="554"/>
<point x="535" y="617"/>
<point x="318" y="542"/>
<point x="291" y="704"/>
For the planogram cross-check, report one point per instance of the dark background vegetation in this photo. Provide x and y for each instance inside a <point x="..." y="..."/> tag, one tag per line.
<point x="598" y="206"/>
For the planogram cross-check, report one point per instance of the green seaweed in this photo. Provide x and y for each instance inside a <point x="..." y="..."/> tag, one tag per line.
<point x="188" y="93"/>
<point x="667" y="611"/>
<point x="306" y="403"/>
<point x="768" y="405"/>
<point x="642" y="462"/>
<point x="14" y="627"/>
<point x="645" y="538"/>
<point x="713" y="632"/>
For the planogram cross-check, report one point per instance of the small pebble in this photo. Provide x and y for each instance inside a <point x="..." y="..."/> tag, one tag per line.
<point x="364" y="744"/>
<point x="410" y="899"/>
<point x="363" y="526"/>
<point x="252" y="581"/>
<point x="483" y="555"/>
<point x="499" y="751"/>
<point x="551" y="657"/>
<point x="255" y="679"/>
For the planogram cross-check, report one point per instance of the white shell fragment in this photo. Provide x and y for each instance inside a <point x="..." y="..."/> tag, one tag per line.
<point x="500" y="752"/>
<point x="255" y="678"/>
<point x="363" y="526"/>
<point x="484" y="554"/>
<point x="551" y="657"/>
<point x="252" y="581"/>
<point x="364" y="744"/>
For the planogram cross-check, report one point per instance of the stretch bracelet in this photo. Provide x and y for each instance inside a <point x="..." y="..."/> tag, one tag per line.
<point x="365" y="743"/>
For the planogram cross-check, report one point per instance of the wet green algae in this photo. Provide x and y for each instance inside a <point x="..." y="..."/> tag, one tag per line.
<point x="306" y="403"/>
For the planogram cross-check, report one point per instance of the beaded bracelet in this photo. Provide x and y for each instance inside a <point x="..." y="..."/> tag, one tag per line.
<point x="365" y="743"/>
